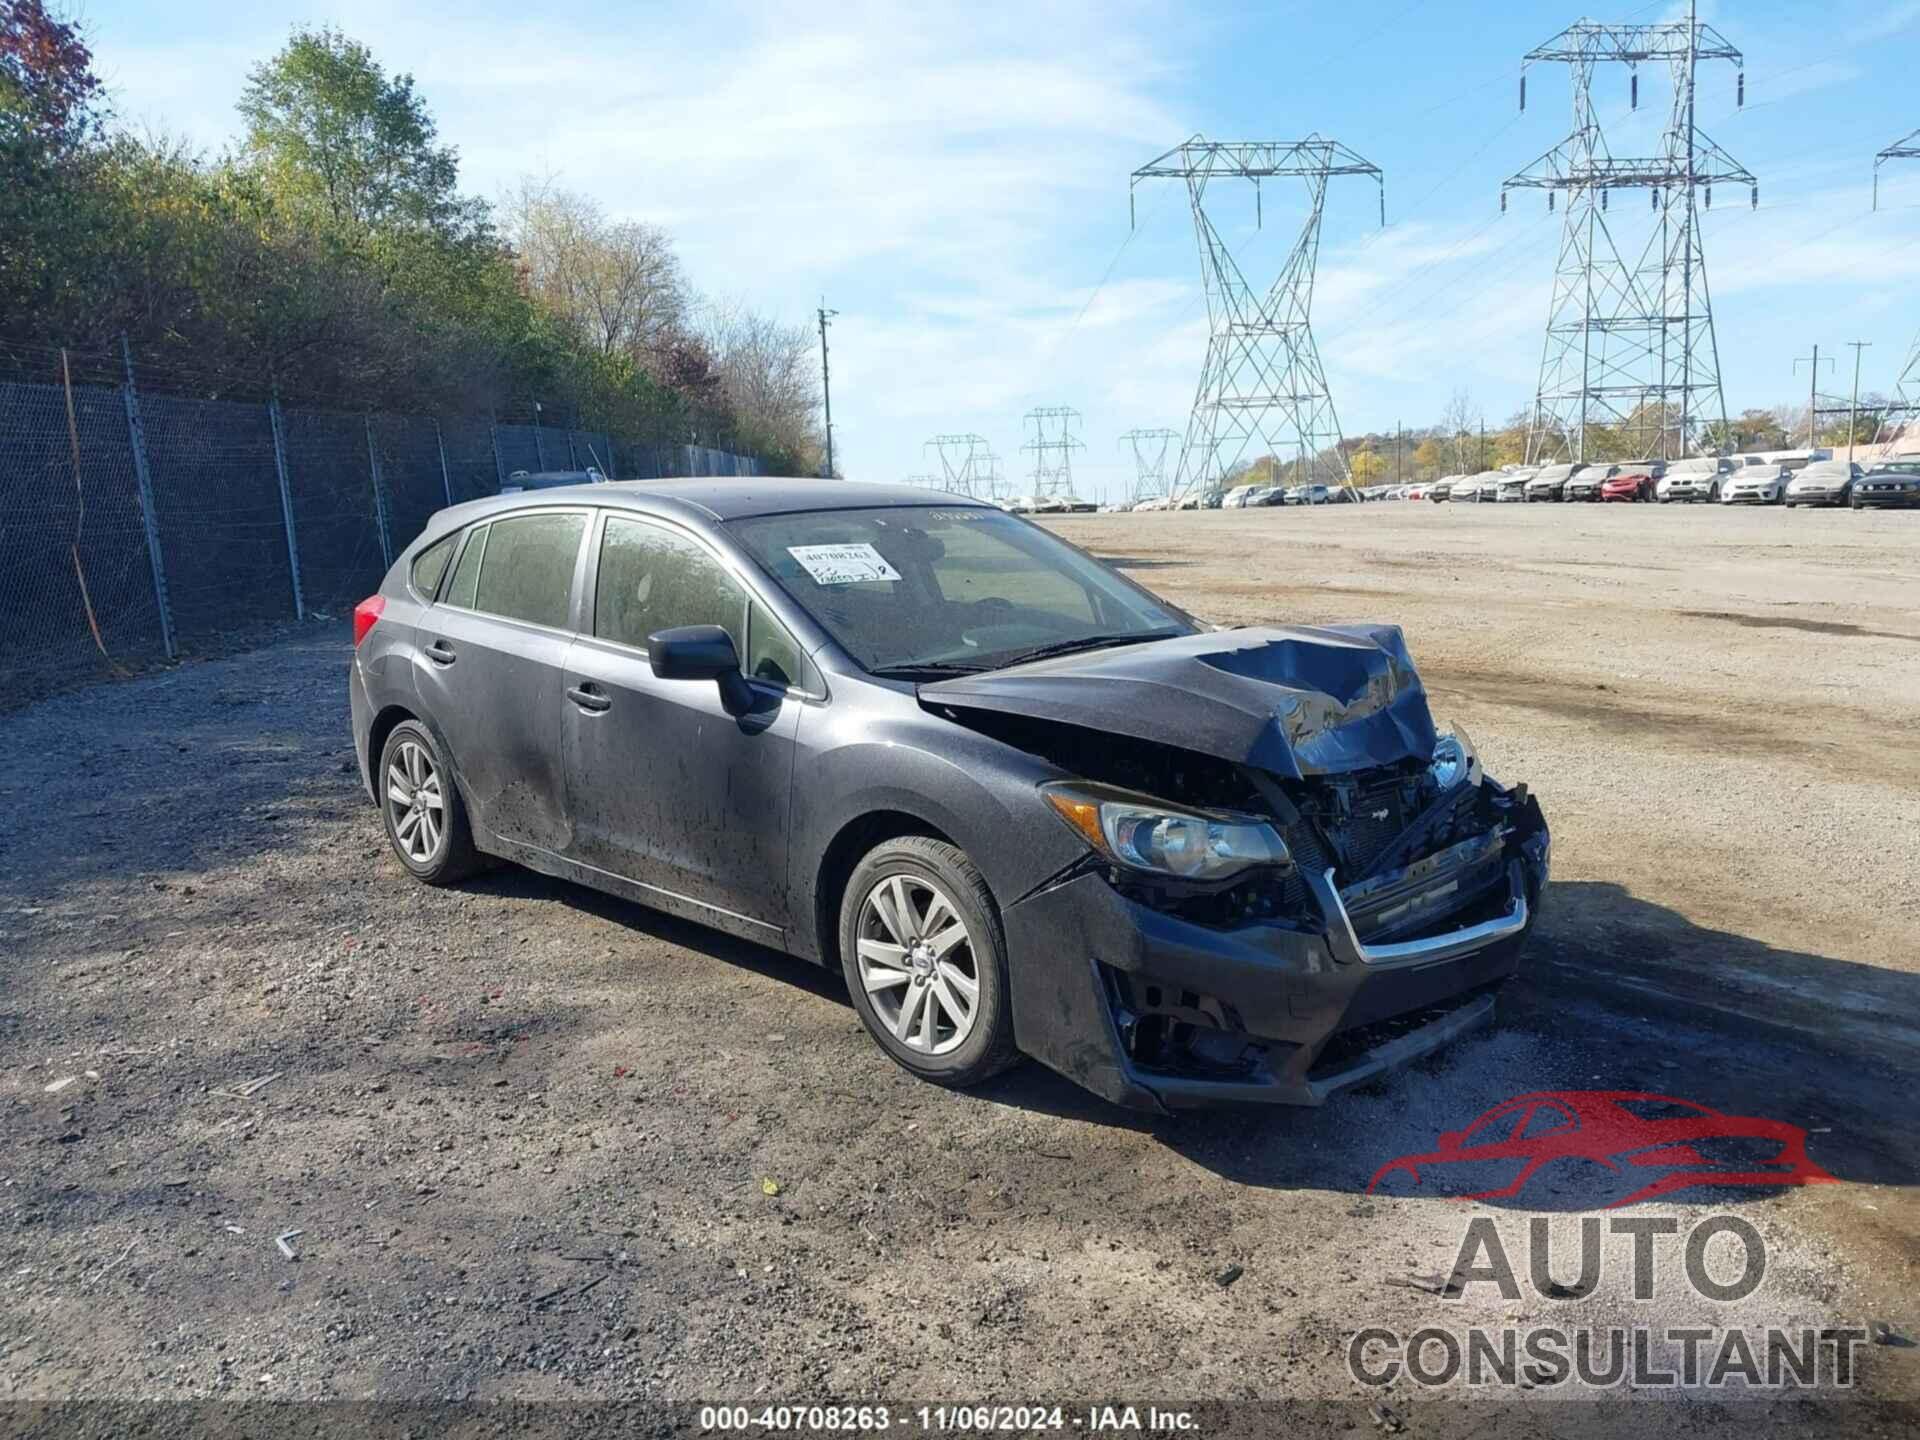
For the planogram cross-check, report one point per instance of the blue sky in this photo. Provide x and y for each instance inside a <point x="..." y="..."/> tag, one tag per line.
<point x="953" y="178"/>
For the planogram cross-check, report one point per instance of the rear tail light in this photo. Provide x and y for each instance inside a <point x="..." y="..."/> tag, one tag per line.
<point x="364" y="616"/>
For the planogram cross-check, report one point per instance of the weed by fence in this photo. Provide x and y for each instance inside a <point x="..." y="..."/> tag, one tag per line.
<point x="136" y="525"/>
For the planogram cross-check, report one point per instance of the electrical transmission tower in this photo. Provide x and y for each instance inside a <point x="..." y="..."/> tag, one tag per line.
<point x="1052" y="445"/>
<point x="1150" y="450"/>
<point x="1630" y="343"/>
<point x="965" y="464"/>
<point x="1262" y="380"/>
<point x="1905" y="408"/>
<point x="997" y="487"/>
<point x="924" y="482"/>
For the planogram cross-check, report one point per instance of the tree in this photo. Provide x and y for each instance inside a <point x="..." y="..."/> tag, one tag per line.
<point x="770" y="374"/>
<point x="48" y="90"/>
<point x="328" y="129"/>
<point x="1459" y="422"/>
<point x="1366" y="466"/>
<point x="616" y="283"/>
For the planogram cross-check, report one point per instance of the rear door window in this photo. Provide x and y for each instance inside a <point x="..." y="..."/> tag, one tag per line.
<point x="527" y="570"/>
<point x="654" y="579"/>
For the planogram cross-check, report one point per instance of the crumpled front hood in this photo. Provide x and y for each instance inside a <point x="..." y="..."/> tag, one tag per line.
<point x="1296" y="700"/>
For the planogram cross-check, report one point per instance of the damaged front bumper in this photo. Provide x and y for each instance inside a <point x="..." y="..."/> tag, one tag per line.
<point x="1158" y="1012"/>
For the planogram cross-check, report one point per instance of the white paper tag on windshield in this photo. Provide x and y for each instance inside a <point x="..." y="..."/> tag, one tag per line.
<point x="843" y="564"/>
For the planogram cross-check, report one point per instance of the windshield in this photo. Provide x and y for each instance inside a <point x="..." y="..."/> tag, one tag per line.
<point x="906" y="588"/>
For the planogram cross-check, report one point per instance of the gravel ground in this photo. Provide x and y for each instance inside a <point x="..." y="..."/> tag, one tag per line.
<point x="540" y="1144"/>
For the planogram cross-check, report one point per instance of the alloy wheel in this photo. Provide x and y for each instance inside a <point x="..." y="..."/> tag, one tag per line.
<point x="416" y="804"/>
<point x="917" y="964"/>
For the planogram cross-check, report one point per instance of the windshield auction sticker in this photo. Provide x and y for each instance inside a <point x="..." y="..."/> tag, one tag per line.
<point x="843" y="564"/>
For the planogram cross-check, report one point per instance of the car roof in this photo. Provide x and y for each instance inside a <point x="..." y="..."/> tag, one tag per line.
<point x="719" y="498"/>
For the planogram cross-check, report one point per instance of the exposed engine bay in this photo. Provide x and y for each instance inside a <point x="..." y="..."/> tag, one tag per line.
<point x="1398" y="837"/>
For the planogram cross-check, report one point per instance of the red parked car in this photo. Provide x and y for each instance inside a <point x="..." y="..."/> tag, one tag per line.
<point x="1631" y="482"/>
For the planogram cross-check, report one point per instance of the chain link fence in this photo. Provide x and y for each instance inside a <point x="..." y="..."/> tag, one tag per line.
<point x="137" y="525"/>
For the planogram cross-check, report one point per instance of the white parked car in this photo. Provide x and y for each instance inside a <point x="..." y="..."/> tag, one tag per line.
<point x="1690" y="480"/>
<point x="1755" y="485"/>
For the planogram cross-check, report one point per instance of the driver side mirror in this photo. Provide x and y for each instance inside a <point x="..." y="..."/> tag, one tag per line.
<point x="701" y="652"/>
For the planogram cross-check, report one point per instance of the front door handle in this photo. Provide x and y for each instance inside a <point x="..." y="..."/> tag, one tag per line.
<point x="440" y="653"/>
<point x="590" y="697"/>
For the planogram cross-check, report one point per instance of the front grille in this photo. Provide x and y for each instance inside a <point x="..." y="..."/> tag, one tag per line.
<point x="1379" y="818"/>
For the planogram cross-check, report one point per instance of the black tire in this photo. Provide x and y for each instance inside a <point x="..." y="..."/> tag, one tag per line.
<point x="452" y="856"/>
<point x="988" y="1047"/>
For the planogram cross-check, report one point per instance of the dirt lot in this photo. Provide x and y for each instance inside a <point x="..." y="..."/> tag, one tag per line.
<point x="524" y="1132"/>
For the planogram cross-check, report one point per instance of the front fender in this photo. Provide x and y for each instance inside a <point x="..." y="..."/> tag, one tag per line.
<point x="982" y="795"/>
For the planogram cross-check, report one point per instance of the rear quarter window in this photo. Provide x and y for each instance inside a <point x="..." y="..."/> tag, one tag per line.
<point x="430" y="566"/>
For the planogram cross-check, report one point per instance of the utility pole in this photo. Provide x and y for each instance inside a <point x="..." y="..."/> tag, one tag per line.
<point x="1853" y="408"/>
<point x="1396" y="452"/>
<point x="826" y="383"/>
<point x="1813" y="378"/>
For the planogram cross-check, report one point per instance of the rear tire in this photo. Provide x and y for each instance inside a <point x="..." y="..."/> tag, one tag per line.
<point x="425" y="819"/>
<point x="918" y="930"/>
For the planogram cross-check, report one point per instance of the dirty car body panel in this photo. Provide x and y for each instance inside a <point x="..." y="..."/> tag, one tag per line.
<point x="1398" y="884"/>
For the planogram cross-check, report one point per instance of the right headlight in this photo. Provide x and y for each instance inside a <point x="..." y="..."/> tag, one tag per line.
<point x="1454" y="760"/>
<point x="1156" y="838"/>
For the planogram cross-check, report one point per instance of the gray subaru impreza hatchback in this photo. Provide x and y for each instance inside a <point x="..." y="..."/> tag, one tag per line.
<point x="1025" y="806"/>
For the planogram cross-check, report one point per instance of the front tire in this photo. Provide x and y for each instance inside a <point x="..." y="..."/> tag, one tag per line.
<point x="925" y="961"/>
<point x="425" y="819"/>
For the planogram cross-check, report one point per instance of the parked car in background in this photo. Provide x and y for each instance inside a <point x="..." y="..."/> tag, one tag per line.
<point x="1476" y="488"/>
<point x="1585" y="483"/>
<point x="1511" y="487"/>
<point x="1634" y="482"/>
<point x="1441" y="490"/>
<point x="1894" y="484"/>
<point x="1550" y="483"/>
<point x="1416" y="492"/>
<point x="1794" y="460"/>
<point x="1824" y="482"/>
<point x="1691" y="480"/>
<point x="923" y="742"/>
<point x="522" y="480"/>
<point x="1342" y="495"/>
<point x="1764" y="484"/>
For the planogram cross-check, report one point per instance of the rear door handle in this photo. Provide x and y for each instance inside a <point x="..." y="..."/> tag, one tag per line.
<point x="590" y="697"/>
<point x="440" y="653"/>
